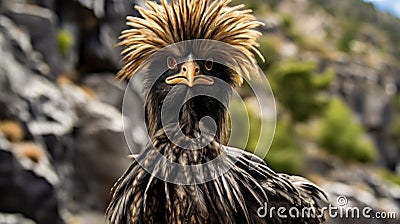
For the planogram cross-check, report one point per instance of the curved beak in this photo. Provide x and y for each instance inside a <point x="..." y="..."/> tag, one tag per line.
<point x="190" y="74"/>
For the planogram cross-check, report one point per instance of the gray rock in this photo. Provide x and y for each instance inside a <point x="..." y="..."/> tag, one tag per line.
<point x="133" y="114"/>
<point x="82" y="138"/>
<point x="375" y="102"/>
<point x="109" y="8"/>
<point x="96" y="5"/>
<point x="25" y="192"/>
<point x="356" y="187"/>
<point x="38" y="102"/>
<point x="112" y="92"/>
<point x="14" y="219"/>
<point x="50" y="4"/>
<point x="101" y="154"/>
<point x="107" y="89"/>
<point x="40" y="23"/>
<point x="98" y="47"/>
<point x="16" y="42"/>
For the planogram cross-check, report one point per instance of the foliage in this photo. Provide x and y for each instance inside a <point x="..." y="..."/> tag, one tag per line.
<point x="65" y="40"/>
<point x="349" y="33"/>
<point x="358" y="13"/>
<point x="249" y="4"/>
<point x="285" y="154"/>
<point x="269" y="51"/>
<point x="298" y="88"/>
<point x="390" y="176"/>
<point x="253" y="124"/>
<point x="344" y="136"/>
<point x="287" y="22"/>
<point x="394" y="131"/>
<point x="238" y="137"/>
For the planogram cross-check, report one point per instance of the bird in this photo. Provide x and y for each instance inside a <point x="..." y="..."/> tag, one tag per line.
<point x="151" y="191"/>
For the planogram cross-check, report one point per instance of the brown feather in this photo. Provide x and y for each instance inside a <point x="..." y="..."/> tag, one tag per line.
<point x="182" y="20"/>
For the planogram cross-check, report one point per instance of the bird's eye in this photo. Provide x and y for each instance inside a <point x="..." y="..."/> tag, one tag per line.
<point x="209" y="64"/>
<point x="171" y="62"/>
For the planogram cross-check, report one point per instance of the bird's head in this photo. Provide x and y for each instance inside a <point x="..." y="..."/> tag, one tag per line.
<point x="187" y="48"/>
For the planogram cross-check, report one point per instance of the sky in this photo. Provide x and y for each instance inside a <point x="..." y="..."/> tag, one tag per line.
<point x="390" y="6"/>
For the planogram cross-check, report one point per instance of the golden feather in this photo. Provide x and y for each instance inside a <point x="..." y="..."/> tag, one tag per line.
<point x="165" y="24"/>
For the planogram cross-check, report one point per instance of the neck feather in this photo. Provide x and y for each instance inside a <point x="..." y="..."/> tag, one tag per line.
<point x="197" y="114"/>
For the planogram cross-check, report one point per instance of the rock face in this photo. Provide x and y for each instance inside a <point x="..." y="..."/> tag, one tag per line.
<point x="366" y="78"/>
<point x="40" y="24"/>
<point x="100" y="152"/>
<point x="26" y="188"/>
<point x="361" y="189"/>
<point x="369" y="92"/>
<point x="14" y="219"/>
<point x="61" y="139"/>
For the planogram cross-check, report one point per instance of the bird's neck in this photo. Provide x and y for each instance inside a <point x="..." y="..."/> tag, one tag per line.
<point x="204" y="114"/>
<point x="200" y="114"/>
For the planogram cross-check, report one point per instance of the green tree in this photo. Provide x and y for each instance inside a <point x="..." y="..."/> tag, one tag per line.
<point x="343" y="135"/>
<point x="286" y="154"/>
<point x="298" y="88"/>
<point x="349" y="33"/>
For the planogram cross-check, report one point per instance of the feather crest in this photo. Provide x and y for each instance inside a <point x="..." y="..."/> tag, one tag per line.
<point x="165" y="24"/>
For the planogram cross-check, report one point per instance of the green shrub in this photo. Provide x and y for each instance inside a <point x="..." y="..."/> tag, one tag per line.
<point x="285" y="154"/>
<point x="249" y="4"/>
<point x="269" y="50"/>
<point x="390" y="176"/>
<point x="349" y="33"/>
<point x="344" y="136"/>
<point x="65" y="40"/>
<point x="394" y="131"/>
<point x="299" y="89"/>
<point x="287" y="22"/>
<point x="254" y="124"/>
<point x="237" y="136"/>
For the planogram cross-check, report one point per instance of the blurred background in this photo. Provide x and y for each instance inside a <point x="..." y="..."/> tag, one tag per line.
<point x="334" y="68"/>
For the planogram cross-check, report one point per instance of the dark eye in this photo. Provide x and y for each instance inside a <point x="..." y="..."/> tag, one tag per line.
<point x="171" y="62"/>
<point x="209" y="64"/>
